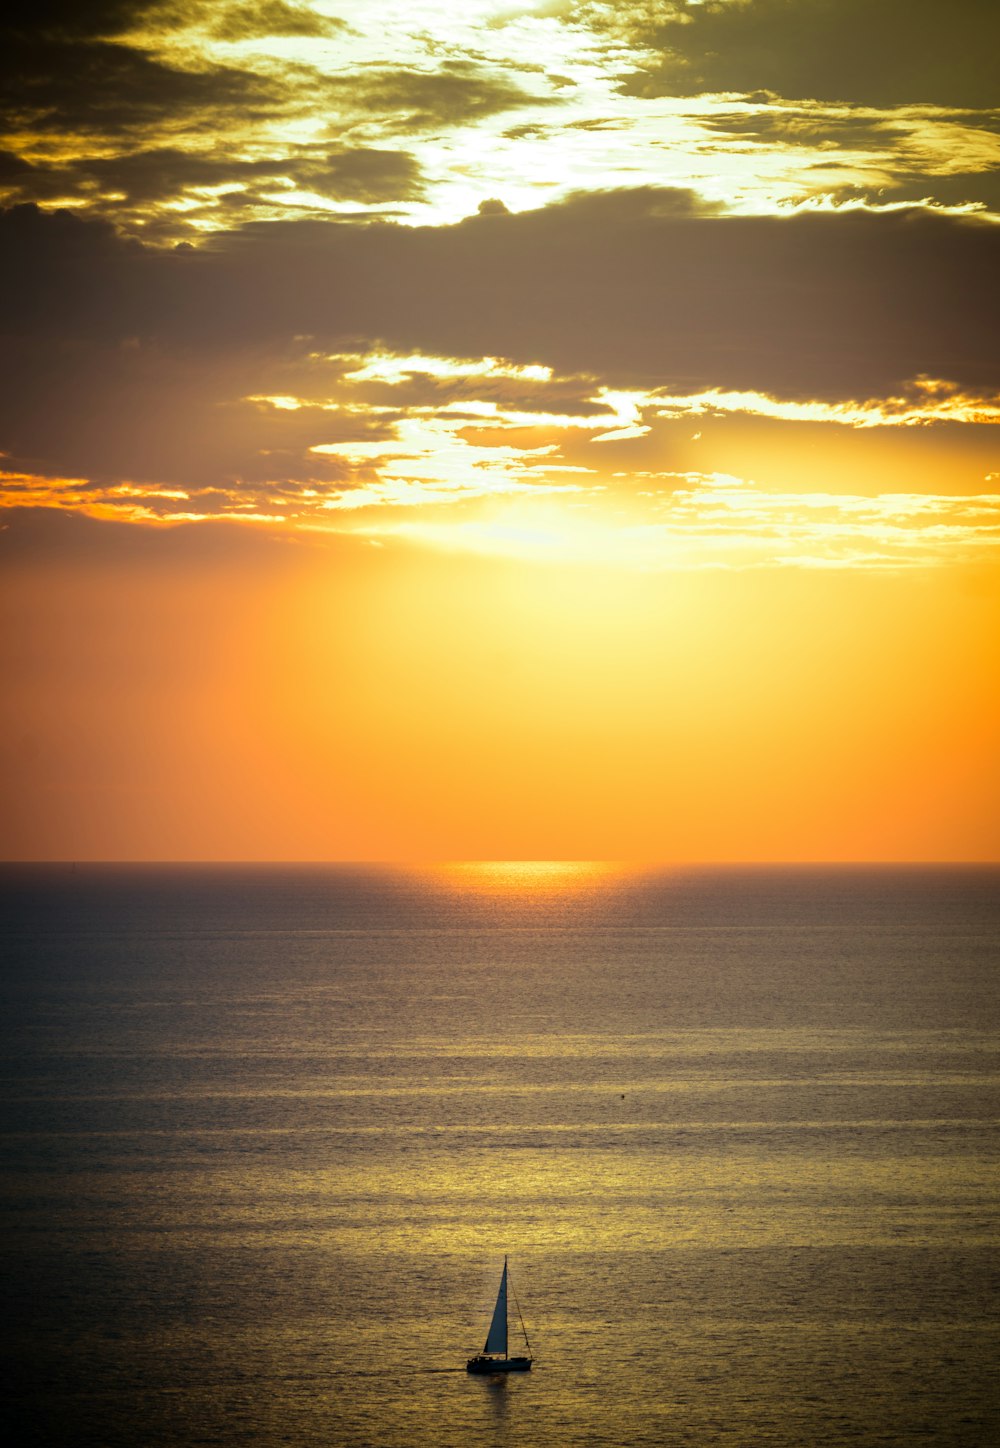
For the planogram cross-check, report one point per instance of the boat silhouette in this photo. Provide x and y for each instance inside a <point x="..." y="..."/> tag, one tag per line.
<point x="494" y="1357"/>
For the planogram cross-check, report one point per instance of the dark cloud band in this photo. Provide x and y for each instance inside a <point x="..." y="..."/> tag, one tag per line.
<point x="626" y="286"/>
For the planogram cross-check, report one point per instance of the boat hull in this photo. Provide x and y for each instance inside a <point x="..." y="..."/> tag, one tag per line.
<point x="498" y="1365"/>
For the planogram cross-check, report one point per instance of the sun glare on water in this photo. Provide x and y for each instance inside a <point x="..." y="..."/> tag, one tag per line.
<point x="535" y="875"/>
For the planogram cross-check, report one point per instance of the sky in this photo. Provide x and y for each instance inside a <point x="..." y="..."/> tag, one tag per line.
<point x="488" y="430"/>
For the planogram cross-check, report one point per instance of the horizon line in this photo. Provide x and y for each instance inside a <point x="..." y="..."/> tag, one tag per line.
<point x="436" y="862"/>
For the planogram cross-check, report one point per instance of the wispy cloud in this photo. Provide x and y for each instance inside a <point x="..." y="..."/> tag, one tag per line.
<point x="439" y="492"/>
<point x="928" y="401"/>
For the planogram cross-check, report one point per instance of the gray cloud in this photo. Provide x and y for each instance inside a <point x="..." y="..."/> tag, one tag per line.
<point x="58" y="83"/>
<point x="791" y="126"/>
<point x="895" y="52"/>
<point x="118" y="358"/>
<point x="569" y="396"/>
<point x="150" y="415"/>
<point x="260" y="18"/>
<point x="458" y="92"/>
<point x="962" y="188"/>
<point x="61" y="71"/>
<point x="81" y="21"/>
<point x="132" y="181"/>
<point x="624" y="286"/>
<point x="363" y="174"/>
<point x="63" y="74"/>
<point x="896" y="142"/>
<point x="33" y="536"/>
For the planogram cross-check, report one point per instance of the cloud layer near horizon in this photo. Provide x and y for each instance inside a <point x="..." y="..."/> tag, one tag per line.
<point x="633" y="288"/>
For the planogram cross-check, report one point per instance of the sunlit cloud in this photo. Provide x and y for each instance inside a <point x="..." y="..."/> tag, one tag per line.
<point x="233" y="112"/>
<point x="461" y="388"/>
<point x="929" y="401"/>
<point x="387" y="367"/>
<point x="428" y="463"/>
<point x="720" y="523"/>
<point x="213" y="115"/>
<point x="138" y="503"/>
<point x="441" y="493"/>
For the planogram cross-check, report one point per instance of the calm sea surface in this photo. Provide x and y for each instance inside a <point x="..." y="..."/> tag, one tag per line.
<point x="268" y="1133"/>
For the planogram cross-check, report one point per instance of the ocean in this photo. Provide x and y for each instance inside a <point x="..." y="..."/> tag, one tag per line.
<point x="269" y="1133"/>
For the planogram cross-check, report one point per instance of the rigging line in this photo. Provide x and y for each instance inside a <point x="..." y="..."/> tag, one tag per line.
<point x="520" y="1319"/>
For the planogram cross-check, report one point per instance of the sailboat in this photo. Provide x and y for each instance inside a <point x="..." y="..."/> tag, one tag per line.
<point x="494" y="1357"/>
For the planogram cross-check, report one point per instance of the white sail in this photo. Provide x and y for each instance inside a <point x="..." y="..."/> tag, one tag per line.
<point x="496" y="1340"/>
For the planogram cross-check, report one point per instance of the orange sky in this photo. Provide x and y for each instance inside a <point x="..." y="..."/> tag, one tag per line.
<point x="546" y="431"/>
<point x="383" y="703"/>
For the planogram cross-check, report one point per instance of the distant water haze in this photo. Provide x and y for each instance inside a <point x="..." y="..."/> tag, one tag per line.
<point x="270" y="1132"/>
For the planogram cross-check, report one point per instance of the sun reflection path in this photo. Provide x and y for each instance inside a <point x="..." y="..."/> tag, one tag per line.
<point x="534" y="877"/>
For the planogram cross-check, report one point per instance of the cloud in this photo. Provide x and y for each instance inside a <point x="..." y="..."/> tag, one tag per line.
<point x="261" y="18"/>
<point x="91" y="88"/>
<point x="33" y="537"/>
<point x="896" y="52"/>
<point x="812" y="127"/>
<point x="631" y="288"/>
<point x="716" y="522"/>
<point x="456" y="93"/>
<point x="927" y="401"/>
<point x="144" y="116"/>
<point x="922" y="154"/>
<point x="87" y="86"/>
<point x="493" y="505"/>
<point x="152" y="416"/>
<point x="122" y="361"/>
<point x="128" y="186"/>
<point x="275" y="109"/>
<point x="95" y="18"/>
<point x="970" y="189"/>
<point x="101" y="19"/>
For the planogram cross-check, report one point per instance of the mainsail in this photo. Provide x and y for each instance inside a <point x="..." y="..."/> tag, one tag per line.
<point x="496" y="1340"/>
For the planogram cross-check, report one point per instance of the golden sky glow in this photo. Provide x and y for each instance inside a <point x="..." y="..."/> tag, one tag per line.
<point x="502" y="429"/>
